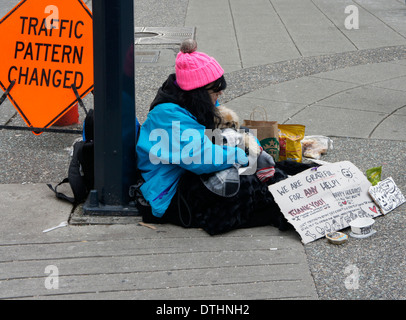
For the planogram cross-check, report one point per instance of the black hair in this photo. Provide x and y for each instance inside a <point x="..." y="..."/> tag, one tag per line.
<point x="218" y="85"/>
<point x="199" y="103"/>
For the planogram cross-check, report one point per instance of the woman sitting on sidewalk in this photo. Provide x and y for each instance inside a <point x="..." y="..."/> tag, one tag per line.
<point x="174" y="153"/>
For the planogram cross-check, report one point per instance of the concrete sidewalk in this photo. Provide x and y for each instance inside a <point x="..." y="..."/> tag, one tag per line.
<point x="135" y="262"/>
<point x="366" y="101"/>
<point x="296" y="59"/>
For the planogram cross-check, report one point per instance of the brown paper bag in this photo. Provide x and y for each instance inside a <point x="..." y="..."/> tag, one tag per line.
<point x="266" y="132"/>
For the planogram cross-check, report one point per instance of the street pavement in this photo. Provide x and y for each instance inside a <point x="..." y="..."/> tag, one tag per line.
<point x="296" y="59"/>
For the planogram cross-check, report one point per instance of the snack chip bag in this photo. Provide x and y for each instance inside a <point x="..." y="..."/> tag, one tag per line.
<point x="290" y="137"/>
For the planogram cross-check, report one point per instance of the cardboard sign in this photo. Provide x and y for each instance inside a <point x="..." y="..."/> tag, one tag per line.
<point x="46" y="46"/>
<point x="387" y="195"/>
<point x="324" y="199"/>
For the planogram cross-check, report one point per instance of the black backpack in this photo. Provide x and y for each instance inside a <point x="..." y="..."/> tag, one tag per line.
<point x="81" y="168"/>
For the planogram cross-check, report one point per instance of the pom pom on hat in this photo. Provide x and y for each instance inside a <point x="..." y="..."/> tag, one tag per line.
<point x="188" y="46"/>
<point x="195" y="69"/>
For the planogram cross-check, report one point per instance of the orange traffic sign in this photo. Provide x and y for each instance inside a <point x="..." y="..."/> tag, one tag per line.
<point x="46" y="47"/>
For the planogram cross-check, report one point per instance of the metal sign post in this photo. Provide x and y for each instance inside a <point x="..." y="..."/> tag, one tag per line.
<point x="114" y="108"/>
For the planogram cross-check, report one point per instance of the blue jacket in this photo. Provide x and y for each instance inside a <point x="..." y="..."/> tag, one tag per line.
<point x="171" y="141"/>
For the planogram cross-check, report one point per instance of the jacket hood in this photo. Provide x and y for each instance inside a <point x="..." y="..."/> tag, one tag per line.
<point x="167" y="93"/>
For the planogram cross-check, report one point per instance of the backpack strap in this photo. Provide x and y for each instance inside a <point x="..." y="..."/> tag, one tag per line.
<point x="63" y="196"/>
<point x="60" y="195"/>
<point x="181" y="200"/>
<point x="88" y="126"/>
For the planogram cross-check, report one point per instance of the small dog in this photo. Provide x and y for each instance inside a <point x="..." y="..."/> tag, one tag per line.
<point x="230" y="120"/>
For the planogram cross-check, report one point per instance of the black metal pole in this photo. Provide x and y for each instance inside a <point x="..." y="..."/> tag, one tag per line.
<point x="114" y="108"/>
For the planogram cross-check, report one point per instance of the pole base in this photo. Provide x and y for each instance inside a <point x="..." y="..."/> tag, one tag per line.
<point x="92" y="207"/>
<point x="111" y="211"/>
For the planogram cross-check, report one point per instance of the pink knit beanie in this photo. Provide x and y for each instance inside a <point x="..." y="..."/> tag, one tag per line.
<point x="195" y="69"/>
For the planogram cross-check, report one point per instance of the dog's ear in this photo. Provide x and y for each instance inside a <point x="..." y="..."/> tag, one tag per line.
<point x="229" y="119"/>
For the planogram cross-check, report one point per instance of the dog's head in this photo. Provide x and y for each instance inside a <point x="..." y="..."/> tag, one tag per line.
<point x="229" y="119"/>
